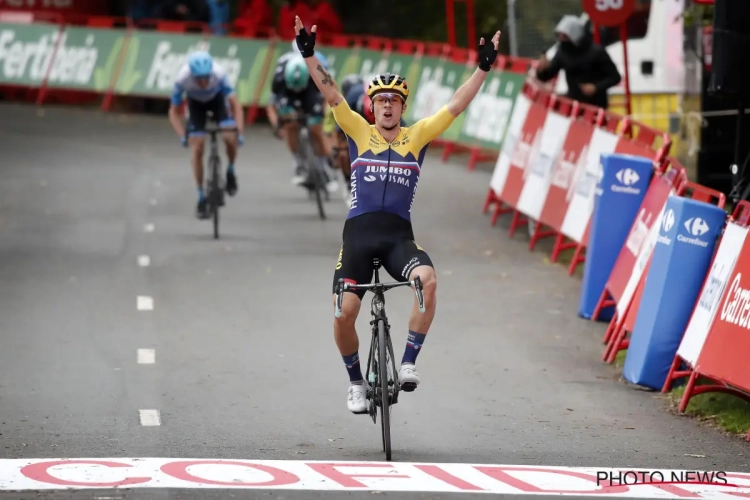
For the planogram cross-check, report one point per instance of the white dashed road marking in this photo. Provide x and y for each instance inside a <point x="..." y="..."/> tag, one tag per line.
<point x="150" y="418"/>
<point x="145" y="303"/>
<point x="146" y="356"/>
<point x="149" y="228"/>
<point x="144" y="260"/>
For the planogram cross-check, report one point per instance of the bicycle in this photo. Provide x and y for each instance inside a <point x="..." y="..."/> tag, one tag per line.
<point x="317" y="184"/>
<point x="214" y="181"/>
<point x="383" y="385"/>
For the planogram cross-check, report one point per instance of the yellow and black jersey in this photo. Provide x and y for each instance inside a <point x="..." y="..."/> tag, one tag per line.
<point x="385" y="175"/>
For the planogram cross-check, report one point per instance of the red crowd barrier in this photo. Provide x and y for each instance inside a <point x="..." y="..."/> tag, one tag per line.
<point x="573" y="167"/>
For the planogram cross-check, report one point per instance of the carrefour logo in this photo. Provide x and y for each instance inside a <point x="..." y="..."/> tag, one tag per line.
<point x="626" y="177"/>
<point x="667" y="223"/>
<point x="696" y="227"/>
<point x="668" y="220"/>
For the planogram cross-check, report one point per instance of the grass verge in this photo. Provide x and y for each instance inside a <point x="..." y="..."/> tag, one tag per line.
<point x="725" y="411"/>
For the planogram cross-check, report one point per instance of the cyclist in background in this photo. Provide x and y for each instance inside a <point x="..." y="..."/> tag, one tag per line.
<point x="292" y="89"/>
<point x="385" y="174"/>
<point x="207" y="88"/>
<point x="353" y="87"/>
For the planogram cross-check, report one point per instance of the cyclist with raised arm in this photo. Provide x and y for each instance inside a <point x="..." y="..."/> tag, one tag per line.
<point x="207" y="88"/>
<point x="386" y="160"/>
<point x="293" y="90"/>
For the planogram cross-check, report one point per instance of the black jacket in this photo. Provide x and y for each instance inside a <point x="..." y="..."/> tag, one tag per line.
<point x="588" y="63"/>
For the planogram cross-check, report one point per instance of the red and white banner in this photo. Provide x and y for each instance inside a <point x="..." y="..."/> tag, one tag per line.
<point x="643" y="258"/>
<point x="539" y="173"/>
<point x="571" y="160"/>
<point x="726" y="257"/>
<point x="651" y="207"/>
<point x="724" y="353"/>
<point x="583" y="193"/>
<point x="515" y="129"/>
<point x="57" y="474"/>
<point x="526" y="149"/>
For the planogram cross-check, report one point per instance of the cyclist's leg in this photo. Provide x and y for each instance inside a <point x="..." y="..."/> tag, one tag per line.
<point x="313" y="103"/>
<point x="354" y="264"/>
<point x="329" y="129"/>
<point x="290" y="132"/>
<point x="196" y="139"/>
<point x="225" y="120"/>
<point x="406" y="260"/>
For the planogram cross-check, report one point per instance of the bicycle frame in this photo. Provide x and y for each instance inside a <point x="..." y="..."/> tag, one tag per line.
<point x="382" y="390"/>
<point x="307" y="149"/>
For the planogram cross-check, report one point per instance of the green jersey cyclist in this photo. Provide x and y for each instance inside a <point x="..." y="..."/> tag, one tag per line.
<point x="386" y="161"/>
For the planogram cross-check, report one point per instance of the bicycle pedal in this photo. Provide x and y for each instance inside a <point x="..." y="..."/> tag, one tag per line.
<point x="408" y="386"/>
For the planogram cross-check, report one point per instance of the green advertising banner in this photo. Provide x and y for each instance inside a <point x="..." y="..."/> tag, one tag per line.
<point x="26" y="52"/>
<point x="438" y="81"/>
<point x="488" y="115"/>
<point x="152" y="61"/>
<point x="244" y="60"/>
<point x="86" y="59"/>
<point x="146" y="63"/>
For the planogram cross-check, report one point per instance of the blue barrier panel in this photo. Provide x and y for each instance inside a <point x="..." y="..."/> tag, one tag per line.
<point x="687" y="238"/>
<point x="621" y="190"/>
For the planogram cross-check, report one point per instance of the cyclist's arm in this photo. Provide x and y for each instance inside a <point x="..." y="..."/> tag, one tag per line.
<point x="466" y="92"/>
<point x="324" y="81"/>
<point x="174" y="109"/>
<point x="352" y="124"/>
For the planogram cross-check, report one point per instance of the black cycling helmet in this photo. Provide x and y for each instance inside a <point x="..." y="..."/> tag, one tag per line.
<point x="349" y="82"/>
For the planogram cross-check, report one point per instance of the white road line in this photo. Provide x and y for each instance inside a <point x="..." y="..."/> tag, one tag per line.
<point x="144" y="260"/>
<point x="145" y="303"/>
<point x="153" y="202"/>
<point x="146" y="356"/>
<point x="150" y="418"/>
<point x="149" y="228"/>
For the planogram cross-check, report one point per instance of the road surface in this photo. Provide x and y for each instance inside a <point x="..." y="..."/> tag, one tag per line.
<point x="118" y="312"/>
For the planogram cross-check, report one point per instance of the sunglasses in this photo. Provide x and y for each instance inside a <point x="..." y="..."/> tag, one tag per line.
<point x="388" y="97"/>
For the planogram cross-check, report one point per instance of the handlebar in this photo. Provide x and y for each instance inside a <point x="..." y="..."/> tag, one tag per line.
<point x="378" y="288"/>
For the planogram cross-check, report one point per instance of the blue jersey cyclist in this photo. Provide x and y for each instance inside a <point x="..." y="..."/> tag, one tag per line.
<point x="293" y="90"/>
<point x="207" y="88"/>
<point x="386" y="163"/>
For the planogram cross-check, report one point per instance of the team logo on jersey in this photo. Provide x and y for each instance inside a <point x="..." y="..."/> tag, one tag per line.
<point x="398" y="175"/>
<point x="341" y="257"/>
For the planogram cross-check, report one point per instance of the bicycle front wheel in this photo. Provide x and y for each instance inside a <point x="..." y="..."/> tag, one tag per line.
<point x="385" y="413"/>
<point x="215" y="196"/>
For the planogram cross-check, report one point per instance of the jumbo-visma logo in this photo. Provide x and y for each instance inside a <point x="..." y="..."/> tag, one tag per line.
<point x="626" y="179"/>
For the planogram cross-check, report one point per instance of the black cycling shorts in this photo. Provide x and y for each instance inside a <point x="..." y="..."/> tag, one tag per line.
<point x="377" y="235"/>
<point x="310" y="101"/>
<point x="197" y="115"/>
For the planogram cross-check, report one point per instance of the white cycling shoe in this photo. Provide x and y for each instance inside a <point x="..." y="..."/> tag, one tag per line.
<point x="408" y="376"/>
<point x="356" y="401"/>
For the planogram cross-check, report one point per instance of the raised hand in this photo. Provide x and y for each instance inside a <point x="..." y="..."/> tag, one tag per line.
<point x="305" y="40"/>
<point x="488" y="53"/>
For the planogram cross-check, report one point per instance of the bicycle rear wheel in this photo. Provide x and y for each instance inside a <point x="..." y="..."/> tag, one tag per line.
<point x="385" y="413"/>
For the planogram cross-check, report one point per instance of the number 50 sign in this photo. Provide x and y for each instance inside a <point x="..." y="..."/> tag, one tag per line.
<point x="608" y="12"/>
